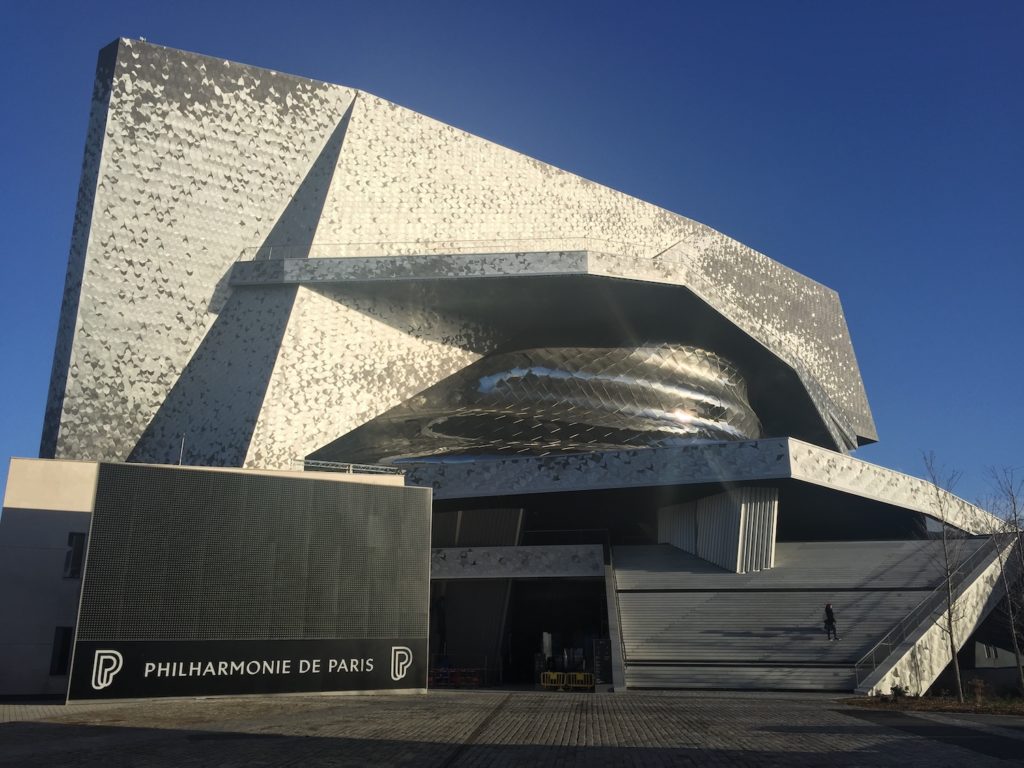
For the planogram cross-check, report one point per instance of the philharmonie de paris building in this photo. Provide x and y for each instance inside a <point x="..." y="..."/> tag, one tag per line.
<point x="346" y="399"/>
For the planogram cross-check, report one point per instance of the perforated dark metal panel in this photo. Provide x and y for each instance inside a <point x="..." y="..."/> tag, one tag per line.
<point x="489" y="528"/>
<point x="179" y="554"/>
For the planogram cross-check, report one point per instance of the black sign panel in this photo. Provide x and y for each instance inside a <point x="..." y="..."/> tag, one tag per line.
<point x="144" y="669"/>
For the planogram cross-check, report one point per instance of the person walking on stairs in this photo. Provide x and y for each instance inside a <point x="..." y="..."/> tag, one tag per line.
<point x="830" y="623"/>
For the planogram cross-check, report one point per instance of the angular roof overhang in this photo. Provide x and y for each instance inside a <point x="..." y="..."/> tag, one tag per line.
<point x="709" y="463"/>
<point x="577" y="297"/>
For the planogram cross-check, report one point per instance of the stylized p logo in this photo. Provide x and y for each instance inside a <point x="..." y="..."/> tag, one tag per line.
<point x="401" y="660"/>
<point x="105" y="665"/>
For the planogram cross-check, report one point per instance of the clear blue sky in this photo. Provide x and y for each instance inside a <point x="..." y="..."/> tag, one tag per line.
<point x="874" y="146"/>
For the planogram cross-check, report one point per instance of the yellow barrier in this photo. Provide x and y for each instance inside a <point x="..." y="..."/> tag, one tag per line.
<point x="552" y="680"/>
<point x="567" y="681"/>
<point x="581" y="681"/>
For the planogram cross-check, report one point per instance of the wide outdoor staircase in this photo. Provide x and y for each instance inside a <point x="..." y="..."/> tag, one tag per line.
<point x="686" y="623"/>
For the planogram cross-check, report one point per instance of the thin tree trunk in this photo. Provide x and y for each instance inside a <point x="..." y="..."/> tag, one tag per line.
<point x="952" y="642"/>
<point x="950" y="607"/>
<point x="1012" y="613"/>
<point x="1008" y="490"/>
<point x="951" y="559"/>
<point x="1013" y="636"/>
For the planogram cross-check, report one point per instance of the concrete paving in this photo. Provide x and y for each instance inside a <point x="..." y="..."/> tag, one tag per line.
<point x="499" y="728"/>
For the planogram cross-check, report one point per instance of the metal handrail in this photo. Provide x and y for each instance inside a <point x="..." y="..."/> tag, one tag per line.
<point x="436" y="247"/>
<point x="932" y="603"/>
<point x="618" y="610"/>
<point x="347" y="468"/>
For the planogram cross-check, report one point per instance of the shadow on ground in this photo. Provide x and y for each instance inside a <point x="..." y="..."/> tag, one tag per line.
<point x="39" y="744"/>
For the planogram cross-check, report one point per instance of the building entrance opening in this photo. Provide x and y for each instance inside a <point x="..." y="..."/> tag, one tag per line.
<point x="510" y="631"/>
<point x="553" y="625"/>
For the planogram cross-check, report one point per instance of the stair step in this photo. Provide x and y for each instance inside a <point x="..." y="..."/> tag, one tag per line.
<point x="694" y="625"/>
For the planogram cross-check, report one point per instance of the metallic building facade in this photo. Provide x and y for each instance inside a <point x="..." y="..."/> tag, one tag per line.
<point x="268" y="271"/>
<point x="263" y="264"/>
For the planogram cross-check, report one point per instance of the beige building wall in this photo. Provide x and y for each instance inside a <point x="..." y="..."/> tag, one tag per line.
<point x="44" y="502"/>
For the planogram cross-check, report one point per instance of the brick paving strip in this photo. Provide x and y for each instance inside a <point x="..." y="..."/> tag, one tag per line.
<point x="459" y="729"/>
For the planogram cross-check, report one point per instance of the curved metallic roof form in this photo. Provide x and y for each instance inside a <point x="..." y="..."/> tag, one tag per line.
<point x="261" y="264"/>
<point x="563" y="400"/>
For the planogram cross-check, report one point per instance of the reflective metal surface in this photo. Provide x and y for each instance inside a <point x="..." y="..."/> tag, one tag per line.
<point x="193" y="161"/>
<point x="565" y="399"/>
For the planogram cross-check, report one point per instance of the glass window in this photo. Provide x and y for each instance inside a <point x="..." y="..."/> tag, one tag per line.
<point x="75" y="556"/>
<point x="61" y="658"/>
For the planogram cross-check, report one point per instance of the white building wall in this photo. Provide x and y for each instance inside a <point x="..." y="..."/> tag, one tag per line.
<point x="677" y="525"/>
<point x="733" y="530"/>
<point x="718" y="529"/>
<point x="760" y="507"/>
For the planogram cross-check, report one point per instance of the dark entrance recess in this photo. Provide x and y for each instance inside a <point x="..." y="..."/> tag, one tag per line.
<point x="489" y="632"/>
<point x="574" y="611"/>
<point x="492" y="630"/>
<point x="616" y="516"/>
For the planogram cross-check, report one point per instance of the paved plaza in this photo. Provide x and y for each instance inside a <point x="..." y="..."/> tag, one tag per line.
<point x="500" y="728"/>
